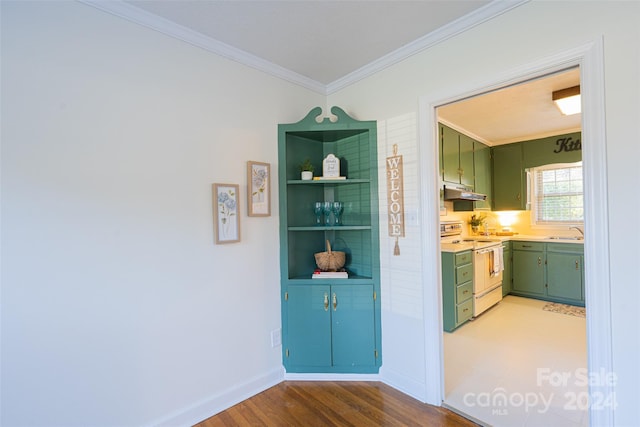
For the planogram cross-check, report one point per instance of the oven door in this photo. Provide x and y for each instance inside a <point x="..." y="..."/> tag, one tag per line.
<point x="487" y="285"/>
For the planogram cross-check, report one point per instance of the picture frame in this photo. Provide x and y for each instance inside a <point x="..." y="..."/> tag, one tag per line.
<point x="226" y="213"/>
<point x="258" y="189"/>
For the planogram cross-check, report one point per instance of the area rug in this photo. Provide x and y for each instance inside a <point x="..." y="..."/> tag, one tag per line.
<point x="570" y="310"/>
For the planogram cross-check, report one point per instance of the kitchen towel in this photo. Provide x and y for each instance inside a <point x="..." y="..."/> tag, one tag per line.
<point x="498" y="261"/>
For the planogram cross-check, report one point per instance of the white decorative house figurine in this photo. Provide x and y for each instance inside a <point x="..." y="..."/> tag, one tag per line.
<point x="331" y="167"/>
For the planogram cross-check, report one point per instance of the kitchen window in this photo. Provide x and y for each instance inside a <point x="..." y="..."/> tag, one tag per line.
<point x="556" y="195"/>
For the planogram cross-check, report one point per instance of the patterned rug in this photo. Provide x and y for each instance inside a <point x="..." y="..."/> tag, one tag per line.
<point x="570" y="310"/>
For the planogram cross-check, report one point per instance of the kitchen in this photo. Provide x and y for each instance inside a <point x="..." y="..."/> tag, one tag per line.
<point x="512" y="253"/>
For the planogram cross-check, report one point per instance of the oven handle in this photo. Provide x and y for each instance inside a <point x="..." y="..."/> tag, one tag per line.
<point x="486" y="250"/>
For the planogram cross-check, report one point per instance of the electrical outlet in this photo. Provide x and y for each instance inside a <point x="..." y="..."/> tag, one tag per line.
<point x="276" y="338"/>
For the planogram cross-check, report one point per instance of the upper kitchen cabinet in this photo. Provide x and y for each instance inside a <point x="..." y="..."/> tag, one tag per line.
<point x="511" y="161"/>
<point x="457" y="156"/>
<point x="508" y="178"/>
<point x="482" y="173"/>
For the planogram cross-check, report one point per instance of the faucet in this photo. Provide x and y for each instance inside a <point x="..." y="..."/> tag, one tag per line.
<point x="579" y="229"/>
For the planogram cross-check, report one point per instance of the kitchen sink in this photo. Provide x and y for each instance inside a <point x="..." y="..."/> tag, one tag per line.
<point x="565" y="238"/>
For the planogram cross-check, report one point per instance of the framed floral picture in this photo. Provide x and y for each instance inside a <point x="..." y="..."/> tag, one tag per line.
<point x="226" y="215"/>
<point x="258" y="189"/>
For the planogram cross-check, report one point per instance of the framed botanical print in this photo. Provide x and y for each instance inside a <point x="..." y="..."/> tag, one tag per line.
<point x="258" y="189"/>
<point x="226" y="217"/>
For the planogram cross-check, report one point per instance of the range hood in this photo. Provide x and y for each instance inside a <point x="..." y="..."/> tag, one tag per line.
<point x="460" y="192"/>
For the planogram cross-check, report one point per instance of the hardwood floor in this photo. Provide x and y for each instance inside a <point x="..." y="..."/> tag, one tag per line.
<point x="328" y="403"/>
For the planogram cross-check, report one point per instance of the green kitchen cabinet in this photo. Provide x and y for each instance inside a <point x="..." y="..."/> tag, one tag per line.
<point x="457" y="157"/>
<point x="457" y="289"/>
<point x="508" y="178"/>
<point x="342" y="340"/>
<point x="449" y="154"/>
<point x="507" y="278"/>
<point x="548" y="271"/>
<point x="466" y="161"/>
<point x="330" y="325"/>
<point x="528" y="268"/>
<point x="565" y="272"/>
<point x="482" y="173"/>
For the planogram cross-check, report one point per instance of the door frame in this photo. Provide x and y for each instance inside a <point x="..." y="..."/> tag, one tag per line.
<point x="589" y="57"/>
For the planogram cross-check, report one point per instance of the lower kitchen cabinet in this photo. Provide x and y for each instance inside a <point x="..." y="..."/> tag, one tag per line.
<point x="528" y="268"/>
<point x="330" y="328"/>
<point x="549" y="271"/>
<point x="565" y="272"/>
<point x="457" y="289"/>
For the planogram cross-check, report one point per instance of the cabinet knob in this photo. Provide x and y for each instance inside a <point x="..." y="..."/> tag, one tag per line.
<point x="326" y="301"/>
<point x="335" y="301"/>
<point x="577" y="265"/>
<point x="539" y="261"/>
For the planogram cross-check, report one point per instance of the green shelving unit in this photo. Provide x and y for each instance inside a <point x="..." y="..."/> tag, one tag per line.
<point x="329" y="325"/>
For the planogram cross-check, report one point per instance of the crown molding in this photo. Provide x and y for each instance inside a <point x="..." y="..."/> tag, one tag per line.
<point x="170" y="28"/>
<point x="477" y="17"/>
<point x="124" y="10"/>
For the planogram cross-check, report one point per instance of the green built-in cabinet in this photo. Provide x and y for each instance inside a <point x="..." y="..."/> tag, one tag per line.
<point x="548" y="271"/>
<point x="565" y="272"/>
<point x="508" y="178"/>
<point x="329" y="325"/>
<point x="465" y="161"/>
<point x="528" y="268"/>
<point x="457" y="289"/>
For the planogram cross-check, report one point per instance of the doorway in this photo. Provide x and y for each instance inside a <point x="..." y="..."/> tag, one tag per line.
<point x="518" y="345"/>
<point x="589" y="58"/>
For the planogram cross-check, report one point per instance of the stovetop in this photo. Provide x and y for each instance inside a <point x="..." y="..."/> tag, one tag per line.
<point x="452" y="240"/>
<point x="475" y="242"/>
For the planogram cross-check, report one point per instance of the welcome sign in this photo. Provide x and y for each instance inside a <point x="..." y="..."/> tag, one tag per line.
<point x="395" y="197"/>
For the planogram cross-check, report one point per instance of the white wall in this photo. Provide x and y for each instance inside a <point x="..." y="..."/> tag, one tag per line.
<point x="117" y="307"/>
<point x="525" y="35"/>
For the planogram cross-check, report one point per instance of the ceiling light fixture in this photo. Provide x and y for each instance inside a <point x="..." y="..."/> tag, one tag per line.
<point x="567" y="100"/>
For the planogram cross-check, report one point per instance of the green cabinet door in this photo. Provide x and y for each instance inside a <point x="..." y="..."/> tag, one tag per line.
<point x="330" y="326"/>
<point x="352" y="321"/>
<point x="482" y="173"/>
<point x="528" y="272"/>
<point x="450" y="150"/>
<point x="564" y="275"/>
<point x="506" y="274"/>
<point x="508" y="180"/>
<point x="308" y="341"/>
<point x="466" y="161"/>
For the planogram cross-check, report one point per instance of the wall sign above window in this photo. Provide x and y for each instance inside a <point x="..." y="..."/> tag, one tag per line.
<point x="568" y="144"/>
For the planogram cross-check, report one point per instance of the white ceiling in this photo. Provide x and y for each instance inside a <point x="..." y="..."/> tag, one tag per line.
<point x="321" y="40"/>
<point x="325" y="45"/>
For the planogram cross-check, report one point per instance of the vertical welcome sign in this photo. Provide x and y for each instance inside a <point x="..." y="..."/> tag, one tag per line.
<point x="395" y="197"/>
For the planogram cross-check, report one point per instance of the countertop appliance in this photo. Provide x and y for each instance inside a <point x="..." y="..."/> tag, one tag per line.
<point x="488" y="264"/>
